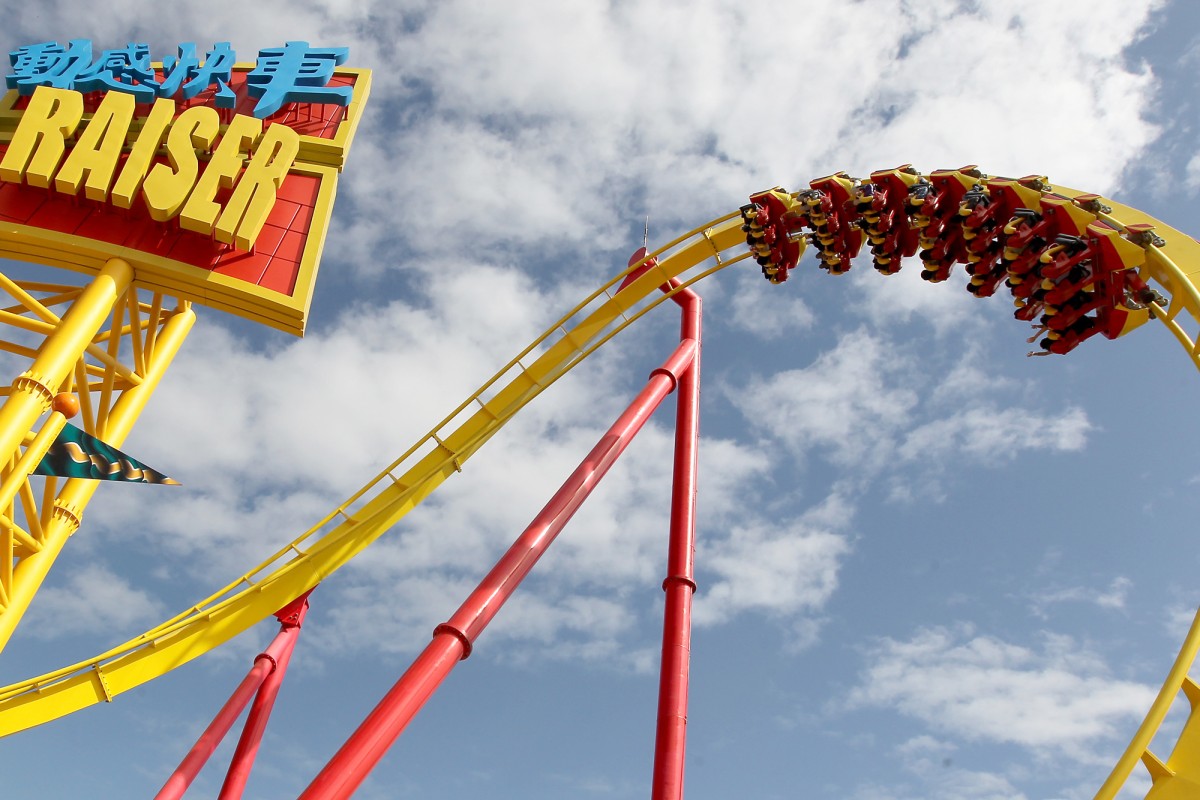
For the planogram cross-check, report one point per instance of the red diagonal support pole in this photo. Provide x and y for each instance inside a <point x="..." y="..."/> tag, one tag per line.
<point x="290" y="617"/>
<point x="453" y="640"/>
<point x="264" y="664"/>
<point x="670" y="738"/>
<point x="680" y="584"/>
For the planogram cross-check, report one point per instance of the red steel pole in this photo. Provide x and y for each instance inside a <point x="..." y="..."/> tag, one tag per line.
<point x="453" y="640"/>
<point x="679" y="585"/>
<point x="291" y="618"/>
<point x="194" y="761"/>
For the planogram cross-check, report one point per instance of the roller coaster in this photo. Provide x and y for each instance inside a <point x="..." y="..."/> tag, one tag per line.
<point x="1076" y="265"/>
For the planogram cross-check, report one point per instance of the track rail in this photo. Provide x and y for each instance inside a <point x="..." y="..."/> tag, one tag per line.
<point x="362" y="518"/>
<point x="1152" y="254"/>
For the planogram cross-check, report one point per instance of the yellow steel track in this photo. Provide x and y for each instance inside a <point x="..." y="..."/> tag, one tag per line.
<point x="1173" y="267"/>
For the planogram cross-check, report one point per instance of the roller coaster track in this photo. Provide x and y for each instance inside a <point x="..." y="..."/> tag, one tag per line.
<point x="1097" y="265"/>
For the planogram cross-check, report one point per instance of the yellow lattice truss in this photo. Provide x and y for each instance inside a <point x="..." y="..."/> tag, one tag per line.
<point x="101" y="344"/>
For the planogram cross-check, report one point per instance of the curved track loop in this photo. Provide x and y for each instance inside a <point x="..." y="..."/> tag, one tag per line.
<point x="1166" y="256"/>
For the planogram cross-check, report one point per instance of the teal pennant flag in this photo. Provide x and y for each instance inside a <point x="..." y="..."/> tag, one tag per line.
<point x="76" y="454"/>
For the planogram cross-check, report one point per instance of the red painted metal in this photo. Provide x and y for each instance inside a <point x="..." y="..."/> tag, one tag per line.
<point x="290" y="617"/>
<point x="453" y="640"/>
<point x="195" y="760"/>
<point x="264" y="664"/>
<point x="363" y="750"/>
<point x="679" y="585"/>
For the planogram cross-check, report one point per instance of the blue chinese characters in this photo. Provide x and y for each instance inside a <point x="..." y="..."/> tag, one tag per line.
<point x="294" y="73"/>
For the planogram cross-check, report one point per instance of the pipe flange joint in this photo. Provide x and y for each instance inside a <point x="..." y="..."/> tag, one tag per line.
<point x="70" y="514"/>
<point x="450" y="630"/>
<point x="32" y="383"/>
<point x="664" y="371"/>
<point x="268" y="657"/>
<point x="674" y="580"/>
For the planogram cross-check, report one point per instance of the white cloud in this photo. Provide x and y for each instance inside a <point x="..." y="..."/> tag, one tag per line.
<point x="768" y="311"/>
<point x="990" y="434"/>
<point x="93" y="599"/>
<point x="928" y="105"/>
<point x="953" y="783"/>
<point x="940" y="780"/>
<point x="1058" y="697"/>
<point x="887" y="300"/>
<point x="782" y="569"/>
<point x="531" y="125"/>
<point x="970" y="379"/>
<point x="865" y="404"/>
<point x="849" y="401"/>
<point x="925" y="746"/>
<point x="1179" y="621"/>
<point x="932" y="762"/>
<point x="1114" y="597"/>
<point x="1191" y="174"/>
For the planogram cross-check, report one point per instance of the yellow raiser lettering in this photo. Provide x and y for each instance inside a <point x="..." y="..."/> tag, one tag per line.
<point x="200" y="212"/>
<point x="98" y="150"/>
<point x="166" y="188"/>
<point x="40" y="140"/>
<point x="254" y="196"/>
<point x="183" y="187"/>
<point x="141" y="157"/>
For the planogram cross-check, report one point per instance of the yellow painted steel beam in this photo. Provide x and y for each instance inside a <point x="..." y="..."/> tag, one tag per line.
<point x="1187" y="760"/>
<point x="34" y="389"/>
<point x="31" y="396"/>
<point x="67" y="511"/>
<point x="18" y="579"/>
<point x="27" y="300"/>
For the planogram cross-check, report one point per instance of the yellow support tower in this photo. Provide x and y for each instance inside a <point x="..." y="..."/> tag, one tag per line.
<point x="104" y="356"/>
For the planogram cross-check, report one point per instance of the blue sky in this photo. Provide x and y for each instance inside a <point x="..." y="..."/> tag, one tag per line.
<point x="929" y="566"/>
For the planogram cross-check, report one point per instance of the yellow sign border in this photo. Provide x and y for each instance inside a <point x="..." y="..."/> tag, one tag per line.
<point x="157" y="273"/>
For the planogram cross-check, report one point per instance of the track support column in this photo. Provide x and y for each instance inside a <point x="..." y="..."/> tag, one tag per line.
<point x="269" y="664"/>
<point x="680" y="584"/>
<point x="453" y="640"/>
<point x="670" y="739"/>
<point x="290" y="618"/>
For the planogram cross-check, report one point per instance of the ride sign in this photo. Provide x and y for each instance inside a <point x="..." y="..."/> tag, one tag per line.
<point x="214" y="179"/>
